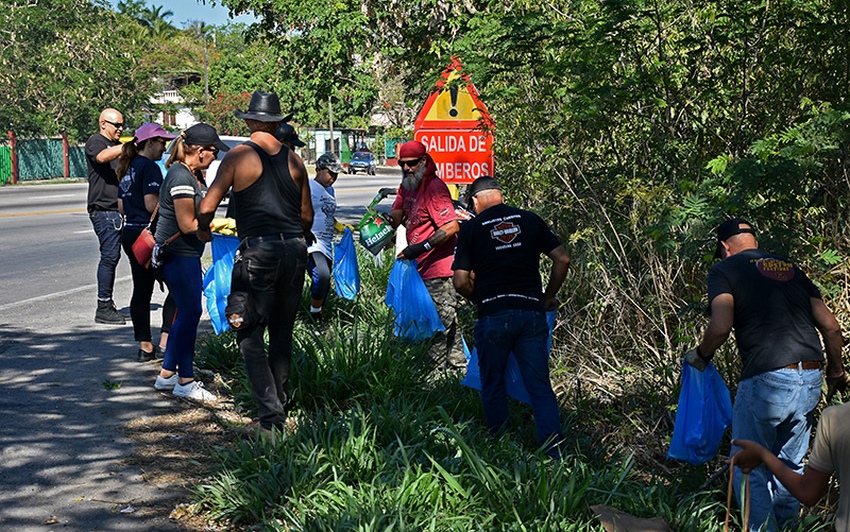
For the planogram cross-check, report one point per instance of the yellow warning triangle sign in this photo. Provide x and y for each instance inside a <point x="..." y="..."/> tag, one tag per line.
<point x="454" y="103"/>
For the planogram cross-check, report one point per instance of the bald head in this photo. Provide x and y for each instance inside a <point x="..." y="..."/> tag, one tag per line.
<point x="111" y="124"/>
<point x="485" y="199"/>
<point x="740" y="242"/>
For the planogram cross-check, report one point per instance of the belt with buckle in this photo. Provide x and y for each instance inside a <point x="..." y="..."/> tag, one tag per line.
<point x="809" y="364"/>
<point x="253" y="241"/>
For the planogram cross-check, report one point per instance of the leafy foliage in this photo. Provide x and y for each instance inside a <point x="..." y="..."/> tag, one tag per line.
<point x="219" y="113"/>
<point x="64" y="61"/>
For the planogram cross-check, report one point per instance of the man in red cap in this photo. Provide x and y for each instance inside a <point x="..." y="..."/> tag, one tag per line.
<point x="424" y="206"/>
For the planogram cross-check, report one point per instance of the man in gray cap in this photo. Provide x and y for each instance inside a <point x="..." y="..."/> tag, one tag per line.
<point x="497" y="265"/>
<point x="328" y="169"/>
<point x="274" y="215"/>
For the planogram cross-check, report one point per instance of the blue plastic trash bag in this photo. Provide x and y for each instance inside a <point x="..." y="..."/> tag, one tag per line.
<point x="416" y="317"/>
<point x="704" y="413"/>
<point x="217" y="279"/>
<point x="514" y="384"/>
<point x="346" y="271"/>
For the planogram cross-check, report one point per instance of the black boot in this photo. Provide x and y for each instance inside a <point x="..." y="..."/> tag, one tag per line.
<point x="107" y="313"/>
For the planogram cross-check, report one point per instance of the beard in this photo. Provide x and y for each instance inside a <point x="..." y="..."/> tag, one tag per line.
<point x="411" y="180"/>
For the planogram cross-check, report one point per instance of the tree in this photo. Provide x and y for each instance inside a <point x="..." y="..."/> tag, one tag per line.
<point x="133" y="9"/>
<point x="156" y="20"/>
<point x="219" y="113"/>
<point x="63" y="62"/>
<point x="335" y="49"/>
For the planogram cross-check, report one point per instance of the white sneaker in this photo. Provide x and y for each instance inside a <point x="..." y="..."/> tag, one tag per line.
<point x="193" y="390"/>
<point x="165" y="384"/>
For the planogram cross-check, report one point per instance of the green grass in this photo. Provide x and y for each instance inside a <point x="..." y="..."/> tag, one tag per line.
<point x="380" y="447"/>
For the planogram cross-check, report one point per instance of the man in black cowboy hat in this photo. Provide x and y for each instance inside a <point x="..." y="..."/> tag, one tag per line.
<point x="274" y="214"/>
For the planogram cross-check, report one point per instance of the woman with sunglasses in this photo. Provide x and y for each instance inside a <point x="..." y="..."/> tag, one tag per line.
<point x="194" y="150"/>
<point x="138" y="194"/>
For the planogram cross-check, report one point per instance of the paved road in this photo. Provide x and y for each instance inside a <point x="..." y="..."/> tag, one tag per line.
<point x="54" y="217"/>
<point x="61" y="447"/>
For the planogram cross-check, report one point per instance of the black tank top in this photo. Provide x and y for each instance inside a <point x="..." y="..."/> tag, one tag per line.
<point x="272" y="204"/>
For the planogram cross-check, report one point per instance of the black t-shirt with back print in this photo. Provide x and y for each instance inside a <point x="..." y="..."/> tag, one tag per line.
<point x="502" y="246"/>
<point x="773" y="321"/>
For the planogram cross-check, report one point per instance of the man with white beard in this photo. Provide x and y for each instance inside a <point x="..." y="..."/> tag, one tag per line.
<point x="424" y="206"/>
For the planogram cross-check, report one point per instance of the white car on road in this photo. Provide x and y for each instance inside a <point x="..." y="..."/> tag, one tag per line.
<point x="209" y="174"/>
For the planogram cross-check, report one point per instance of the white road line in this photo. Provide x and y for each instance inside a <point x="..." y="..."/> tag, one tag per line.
<point x="57" y="294"/>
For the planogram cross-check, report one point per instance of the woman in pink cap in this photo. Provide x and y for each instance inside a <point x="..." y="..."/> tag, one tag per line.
<point x="138" y="195"/>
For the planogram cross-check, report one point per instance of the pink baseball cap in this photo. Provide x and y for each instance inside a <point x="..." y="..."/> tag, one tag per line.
<point x="150" y="130"/>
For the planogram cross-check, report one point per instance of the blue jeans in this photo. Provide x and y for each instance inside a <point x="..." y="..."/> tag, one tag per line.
<point x="271" y="276"/>
<point x="525" y="333"/>
<point x="107" y="226"/>
<point x="775" y="410"/>
<point x="185" y="282"/>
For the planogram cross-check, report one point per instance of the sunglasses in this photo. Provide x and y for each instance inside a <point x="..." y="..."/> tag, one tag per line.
<point x="212" y="150"/>
<point x="410" y="163"/>
<point x="116" y="125"/>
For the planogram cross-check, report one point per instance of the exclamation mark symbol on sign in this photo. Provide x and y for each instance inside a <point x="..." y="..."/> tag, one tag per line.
<point x="453" y="94"/>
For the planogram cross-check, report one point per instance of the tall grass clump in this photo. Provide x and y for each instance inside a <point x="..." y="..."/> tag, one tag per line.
<point x="374" y="443"/>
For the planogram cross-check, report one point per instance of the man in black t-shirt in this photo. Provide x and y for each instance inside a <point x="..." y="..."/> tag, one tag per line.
<point x="102" y="152"/>
<point x="497" y="266"/>
<point x="776" y="312"/>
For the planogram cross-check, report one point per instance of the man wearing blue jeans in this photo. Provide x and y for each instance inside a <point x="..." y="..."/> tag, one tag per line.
<point x="273" y="213"/>
<point x="776" y="312"/>
<point x="102" y="152"/>
<point x="497" y="265"/>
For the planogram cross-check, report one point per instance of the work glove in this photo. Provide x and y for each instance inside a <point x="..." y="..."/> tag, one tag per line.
<point x="695" y="361"/>
<point x="384" y="192"/>
<point x="340" y="227"/>
<point x="837" y="384"/>
<point x="414" y="250"/>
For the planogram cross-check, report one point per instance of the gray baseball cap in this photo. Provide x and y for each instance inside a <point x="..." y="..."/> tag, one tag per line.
<point x="329" y="161"/>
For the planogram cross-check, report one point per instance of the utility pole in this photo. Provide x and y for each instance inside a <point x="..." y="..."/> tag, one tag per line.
<point x="206" y="74"/>
<point x="202" y="31"/>
<point x="331" y="119"/>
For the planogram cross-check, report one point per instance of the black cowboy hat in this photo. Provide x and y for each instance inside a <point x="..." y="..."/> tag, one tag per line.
<point x="265" y="107"/>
